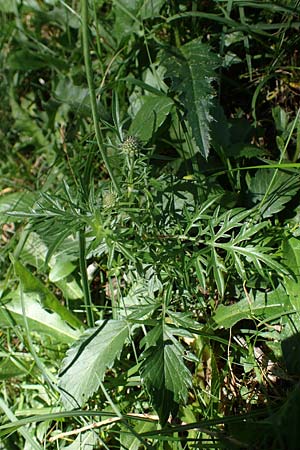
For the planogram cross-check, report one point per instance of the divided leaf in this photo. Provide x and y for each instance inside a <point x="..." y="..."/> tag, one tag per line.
<point x="88" y="359"/>
<point x="163" y="371"/>
<point x="192" y="70"/>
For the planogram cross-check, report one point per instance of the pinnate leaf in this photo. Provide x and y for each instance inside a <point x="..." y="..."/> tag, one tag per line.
<point x="192" y="70"/>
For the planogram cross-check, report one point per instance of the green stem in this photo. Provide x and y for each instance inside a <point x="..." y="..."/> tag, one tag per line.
<point x="85" y="283"/>
<point x="89" y="76"/>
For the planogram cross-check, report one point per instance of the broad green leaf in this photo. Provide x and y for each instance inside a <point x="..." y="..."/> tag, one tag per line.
<point x="12" y="7"/>
<point x="61" y="269"/>
<point x="26" y="121"/>
<point x="126" y="20"/>
<point x="263" y="306"/>
<point x="192" y="70"/>
<point x="89" y="358"/>
<point x="162" y="361"/>
<point x="129" y="15"/>
<point x="280" y="187"/>
<point x="150" y="116"/>
<point x="31" y="284"/>
<point x="39" y="320"/>
<point x="70" y="288"/>
<point x="7" y="6"/>
<point x="63" y="16"/>
<point x="291" y="257"/>
<point x="150" y="8"/>
<point x="281" y="119"/>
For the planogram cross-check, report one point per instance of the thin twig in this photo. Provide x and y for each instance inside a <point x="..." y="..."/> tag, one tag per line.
<point x="102" y="423"/>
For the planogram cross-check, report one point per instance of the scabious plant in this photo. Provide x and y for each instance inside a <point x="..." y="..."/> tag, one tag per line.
<point x="155" y="283"/>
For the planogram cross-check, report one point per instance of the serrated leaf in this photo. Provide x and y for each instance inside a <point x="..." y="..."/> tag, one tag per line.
<point x="162" y="361"/>
<point x="192" y="70"/>
<point x="263" y="305"/>
<point x="39" y="320"/>
<point x="88" y="359"/>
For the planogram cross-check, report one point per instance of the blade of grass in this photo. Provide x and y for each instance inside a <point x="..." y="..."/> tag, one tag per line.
<point x="89" y="76"/>
<point x="26" y="435"/>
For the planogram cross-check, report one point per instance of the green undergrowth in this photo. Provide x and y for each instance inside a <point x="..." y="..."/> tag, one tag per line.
<point x="150" y="244"/>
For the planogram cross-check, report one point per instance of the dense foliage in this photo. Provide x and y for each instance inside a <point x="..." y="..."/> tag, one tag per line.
<point x="150" y="244"/>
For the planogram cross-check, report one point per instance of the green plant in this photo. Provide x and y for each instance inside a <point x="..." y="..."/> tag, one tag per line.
<point x="162" y="251"/>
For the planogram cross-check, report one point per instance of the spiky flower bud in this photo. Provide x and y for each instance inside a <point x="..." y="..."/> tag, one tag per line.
<point x="109" y="200"/>
<point x="131" y="146"/>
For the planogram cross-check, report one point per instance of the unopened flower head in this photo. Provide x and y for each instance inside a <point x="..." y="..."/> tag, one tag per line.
<point x="131" y="146"/>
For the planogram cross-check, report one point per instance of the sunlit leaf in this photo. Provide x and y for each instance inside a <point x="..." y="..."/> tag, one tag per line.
<point x="39" y="319"/>
<point x="88" y="359"/>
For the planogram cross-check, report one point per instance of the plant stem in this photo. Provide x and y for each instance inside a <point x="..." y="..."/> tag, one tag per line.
<point x="89" y="76"/>
<point x="85" y="284"/>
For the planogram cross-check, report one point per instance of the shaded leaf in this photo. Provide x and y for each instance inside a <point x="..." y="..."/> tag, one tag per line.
<point x="9" y="368"/>
<point x="28" y="60"/>
<point x="129" y="15"/>
<point x="150" y="116"/>
<point x="192" y="70"/>
<point x="78" y="98"/>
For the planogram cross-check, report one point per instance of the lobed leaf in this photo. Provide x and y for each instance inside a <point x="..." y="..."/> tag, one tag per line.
<point x="192" y="70"/>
